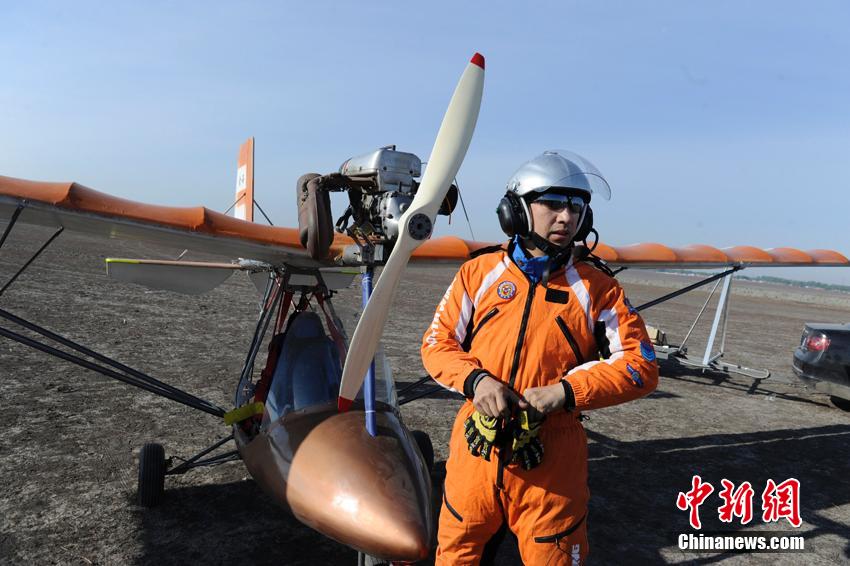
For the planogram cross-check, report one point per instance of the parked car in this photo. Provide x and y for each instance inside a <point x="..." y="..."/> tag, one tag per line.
<point x="822" y="361"/>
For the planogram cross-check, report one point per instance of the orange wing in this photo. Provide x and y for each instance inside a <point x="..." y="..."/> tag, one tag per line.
<point x="83" y="209"/>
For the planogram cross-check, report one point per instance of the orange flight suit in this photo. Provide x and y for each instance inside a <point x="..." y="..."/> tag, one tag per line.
<point x="492" y="318"/>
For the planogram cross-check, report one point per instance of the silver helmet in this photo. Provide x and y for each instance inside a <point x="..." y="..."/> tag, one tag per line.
<point x="558" y="168"/>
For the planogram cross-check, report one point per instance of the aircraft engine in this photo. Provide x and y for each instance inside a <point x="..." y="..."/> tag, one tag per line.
<point x="380" y="186"/>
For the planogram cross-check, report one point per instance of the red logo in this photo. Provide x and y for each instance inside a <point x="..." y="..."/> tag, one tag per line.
<point x="779" y="501"/>
<point x="737" y="503"/>
<point x="693" y="499"/>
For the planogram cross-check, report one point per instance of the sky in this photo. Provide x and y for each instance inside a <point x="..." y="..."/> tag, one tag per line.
<point x="722" y="123"/>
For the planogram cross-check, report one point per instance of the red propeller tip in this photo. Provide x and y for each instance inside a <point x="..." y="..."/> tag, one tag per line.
<point x="478" y="59"/>
<point x="343" y="404"/>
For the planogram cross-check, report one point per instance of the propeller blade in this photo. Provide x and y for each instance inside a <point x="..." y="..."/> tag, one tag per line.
<point x="417" y="222"/>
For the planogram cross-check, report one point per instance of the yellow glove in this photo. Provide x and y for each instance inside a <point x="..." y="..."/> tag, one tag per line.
<point x="480" y="433"/>
<point x="527" y="448"/>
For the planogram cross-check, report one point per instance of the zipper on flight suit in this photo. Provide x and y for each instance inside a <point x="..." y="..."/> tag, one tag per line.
<point x="556" y="538"/>
<point x="572" y="341"/>
<point x="521" y="338"/>
<point x="514" y="370"/>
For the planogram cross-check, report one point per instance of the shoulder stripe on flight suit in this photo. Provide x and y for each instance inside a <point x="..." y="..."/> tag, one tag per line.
<point x="468" y="306"/>
<point x="490" y="279"/>
<point x="463" y="318"/>
<point x="612" y="333"/>
<point x="577" y="285"/>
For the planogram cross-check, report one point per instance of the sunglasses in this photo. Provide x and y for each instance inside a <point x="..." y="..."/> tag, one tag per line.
<point x="558" y="202"/>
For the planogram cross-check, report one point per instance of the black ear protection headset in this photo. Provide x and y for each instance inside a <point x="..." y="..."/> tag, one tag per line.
<point x="515" y="218"/>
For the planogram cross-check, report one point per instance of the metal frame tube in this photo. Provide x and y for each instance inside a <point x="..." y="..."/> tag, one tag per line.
<point x="269" y="304"/>
<point x="721" y="308"/>
<point x="369" y="382"/>
<point x="188" y="464"/>
<point x="699" y="314"/>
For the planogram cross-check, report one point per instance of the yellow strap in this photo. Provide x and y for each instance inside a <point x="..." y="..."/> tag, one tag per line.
<point x="244" y="412"/>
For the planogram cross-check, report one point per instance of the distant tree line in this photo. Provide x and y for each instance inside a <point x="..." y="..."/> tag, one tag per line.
<point x="771" y="279"/>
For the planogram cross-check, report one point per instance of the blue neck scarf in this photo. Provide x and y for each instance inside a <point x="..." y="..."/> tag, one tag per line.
<point x="532" y="266"/>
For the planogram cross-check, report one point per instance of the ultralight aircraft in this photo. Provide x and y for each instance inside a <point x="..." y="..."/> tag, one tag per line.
<point x="372" y="492"/>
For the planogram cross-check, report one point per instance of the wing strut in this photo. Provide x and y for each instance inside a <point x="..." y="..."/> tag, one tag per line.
<point x="684" y="290"/>
<point x="709" y="360"/>
<point x="124" y="373"/>
<point x="118" y="371"/>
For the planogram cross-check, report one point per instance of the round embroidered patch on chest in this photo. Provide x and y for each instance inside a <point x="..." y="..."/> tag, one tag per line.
<point x="506" y="290"/>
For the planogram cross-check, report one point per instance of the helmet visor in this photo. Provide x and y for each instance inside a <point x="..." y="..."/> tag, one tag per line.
<point x="576" y="172"/>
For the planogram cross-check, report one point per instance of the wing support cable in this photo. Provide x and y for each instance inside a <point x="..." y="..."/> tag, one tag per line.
<point x="256" y="204"/>
<point x="18" y="210"/>
<point x="32" y="259"/>
<point x="124" y="374"/>
<point x="709" y="359"/>
<point x="229" y="208"/>
<point x="689" y="288"/>
<point x="463" y="206"/>
<point x="263" y="212"/>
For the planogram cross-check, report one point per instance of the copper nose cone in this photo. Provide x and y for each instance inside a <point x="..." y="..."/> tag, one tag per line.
<point x="370" y="493"/>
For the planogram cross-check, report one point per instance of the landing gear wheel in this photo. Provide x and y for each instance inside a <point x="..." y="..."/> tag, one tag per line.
<point x="423" y="441"/>
<point x="151" y="474"/>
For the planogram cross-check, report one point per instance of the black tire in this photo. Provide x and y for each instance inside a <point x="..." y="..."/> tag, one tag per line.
<point x="423" y="441"/>
<point x="151" y="474"/>
<point x="841" y="403"/>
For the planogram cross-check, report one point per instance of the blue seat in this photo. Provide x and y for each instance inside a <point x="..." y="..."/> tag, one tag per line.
<point x="308" y="370"/>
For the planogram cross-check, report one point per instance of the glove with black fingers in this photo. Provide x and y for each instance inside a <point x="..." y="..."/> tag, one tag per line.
<point x="527" y="449"/>
<point x="481" y="432"/>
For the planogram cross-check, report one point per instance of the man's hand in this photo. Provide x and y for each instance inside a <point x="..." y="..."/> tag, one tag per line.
<point x="493" y="398"/>
<point x="544" y="399"/>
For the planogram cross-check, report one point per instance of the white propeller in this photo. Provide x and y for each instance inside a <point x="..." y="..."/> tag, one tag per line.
<point x="416" y="224"/>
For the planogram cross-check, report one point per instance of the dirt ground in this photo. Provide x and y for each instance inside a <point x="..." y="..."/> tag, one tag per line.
<point x="67" y="455"/>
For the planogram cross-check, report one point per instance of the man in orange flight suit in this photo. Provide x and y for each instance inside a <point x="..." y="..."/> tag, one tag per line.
<point x="534" y="330"/>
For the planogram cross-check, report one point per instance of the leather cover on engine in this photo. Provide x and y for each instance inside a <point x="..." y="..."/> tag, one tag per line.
<point x="315" y="225"/>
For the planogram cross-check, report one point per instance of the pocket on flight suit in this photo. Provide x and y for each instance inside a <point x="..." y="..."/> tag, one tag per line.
<point x="569" y="544"/>
<point x="450" y="507"/>
<point x="467" y="501"/>
<point x="556" y="537"/>
<point x="571" y="341"/>
<point x="563" y="534"/>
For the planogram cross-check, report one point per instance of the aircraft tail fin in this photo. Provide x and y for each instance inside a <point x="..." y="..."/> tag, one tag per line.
<point x="244" y="207"/>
